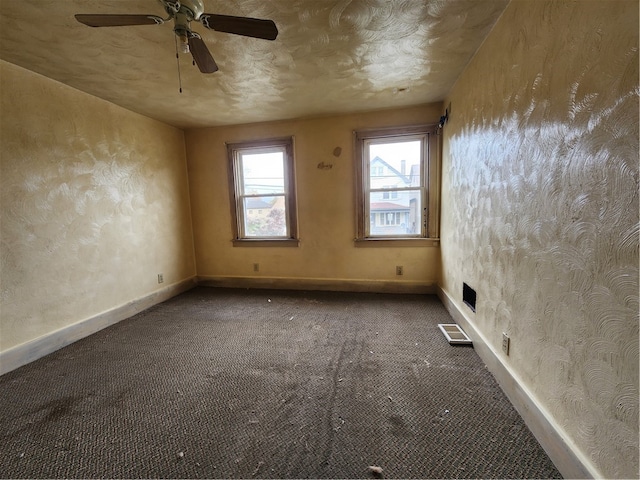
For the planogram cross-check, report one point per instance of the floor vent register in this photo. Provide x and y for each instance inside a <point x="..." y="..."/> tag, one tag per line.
<point x="454" y="334"/>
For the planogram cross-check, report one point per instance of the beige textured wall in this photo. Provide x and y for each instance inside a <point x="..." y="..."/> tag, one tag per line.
<point x="326" y="206"/>
<point x="540" y="212"/>
<point x="94" y="204"/>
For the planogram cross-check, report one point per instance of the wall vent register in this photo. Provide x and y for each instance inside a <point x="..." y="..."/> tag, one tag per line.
<point x="469" y="296"/>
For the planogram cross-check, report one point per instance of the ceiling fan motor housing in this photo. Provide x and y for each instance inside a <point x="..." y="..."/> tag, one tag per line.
<point x="192" y="9"/>
<point x="187" y="10"/>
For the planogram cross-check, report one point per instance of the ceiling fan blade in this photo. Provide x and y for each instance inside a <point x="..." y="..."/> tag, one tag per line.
<point x="249" y="27"/>
<point x="99" y="20"/>
<point x="201" y="55"/>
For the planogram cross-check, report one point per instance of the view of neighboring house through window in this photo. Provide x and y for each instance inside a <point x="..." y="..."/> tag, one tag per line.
<point x="263" y="200"/>
<point x="394" y="183"/>
<point x="395" y="193"/>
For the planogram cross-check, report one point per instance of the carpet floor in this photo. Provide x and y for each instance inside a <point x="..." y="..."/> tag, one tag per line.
<point x="225" y="383"/>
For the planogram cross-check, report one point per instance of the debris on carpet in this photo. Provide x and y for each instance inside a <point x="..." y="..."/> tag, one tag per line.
<point x="375" y="471"/>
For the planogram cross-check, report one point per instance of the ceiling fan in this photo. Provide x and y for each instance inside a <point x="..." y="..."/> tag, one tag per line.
<point x="183" y="12"/>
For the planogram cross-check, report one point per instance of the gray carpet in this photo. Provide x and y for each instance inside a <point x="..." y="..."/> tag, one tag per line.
<point x="220" y="383"/>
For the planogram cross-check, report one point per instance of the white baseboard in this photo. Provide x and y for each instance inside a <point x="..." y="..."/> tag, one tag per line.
<point x="563" y="453"/>
<point x="28" y="352"/>
<point x="331" y="284"/>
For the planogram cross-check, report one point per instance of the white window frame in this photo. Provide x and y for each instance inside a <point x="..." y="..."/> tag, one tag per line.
<point x="429" y="183"/>
<point x="238" y="214"/>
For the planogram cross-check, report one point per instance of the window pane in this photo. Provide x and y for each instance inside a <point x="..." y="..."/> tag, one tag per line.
<point x="265" y="216"/>
<point x="263" y="173"/>
<point x="400" y="216"/>
<point x="394" y="164"/>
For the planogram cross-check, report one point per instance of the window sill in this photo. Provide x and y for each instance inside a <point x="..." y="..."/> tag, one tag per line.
<point x="397" y="242"/>
<point x="263" y="242"/>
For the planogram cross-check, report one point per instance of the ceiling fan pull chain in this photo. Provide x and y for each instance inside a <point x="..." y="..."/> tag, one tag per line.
<point x="178" y="62"/>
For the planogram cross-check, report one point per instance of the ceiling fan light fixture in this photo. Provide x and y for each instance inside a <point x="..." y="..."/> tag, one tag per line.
<point x="183" y="44"/>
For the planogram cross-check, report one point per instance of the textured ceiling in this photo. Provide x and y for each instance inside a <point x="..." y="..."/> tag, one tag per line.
<point x="331" y="56"/>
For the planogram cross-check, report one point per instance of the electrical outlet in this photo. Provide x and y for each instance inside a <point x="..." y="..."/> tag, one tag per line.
<point x="160" y="278"/>
<point x="399" y="270"/>
<point x="256" y="267"/>
<point x="506" y="342"/>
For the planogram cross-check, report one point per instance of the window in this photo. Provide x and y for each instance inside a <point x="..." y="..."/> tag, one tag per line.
<point x="263" y="203"/>
<point x="397" y="175"/>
